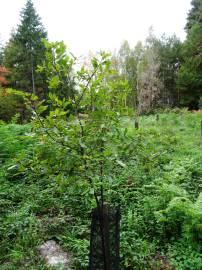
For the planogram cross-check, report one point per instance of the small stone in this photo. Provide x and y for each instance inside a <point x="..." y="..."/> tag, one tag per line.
<point x="54" y="256"/>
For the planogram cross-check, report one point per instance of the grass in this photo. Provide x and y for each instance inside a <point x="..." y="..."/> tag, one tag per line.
<point x="159" y="192"/>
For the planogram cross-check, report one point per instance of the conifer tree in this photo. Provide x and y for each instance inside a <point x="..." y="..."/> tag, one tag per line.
<point x="190" y="73"/>
<point x="25" y="51"/>
<point x="195" y="14"/>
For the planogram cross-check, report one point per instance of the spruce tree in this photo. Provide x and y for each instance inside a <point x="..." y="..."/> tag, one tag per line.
<point x="25" y="51"/>
<point x="190" y="73"/>
<point x="195" y="14"/>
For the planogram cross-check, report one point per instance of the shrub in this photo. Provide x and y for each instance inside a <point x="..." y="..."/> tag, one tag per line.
<point x="11" y="105"/>
<point x="182" y="217"/>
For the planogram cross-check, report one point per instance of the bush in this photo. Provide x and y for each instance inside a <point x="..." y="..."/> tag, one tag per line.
<point x="12" y="105"/>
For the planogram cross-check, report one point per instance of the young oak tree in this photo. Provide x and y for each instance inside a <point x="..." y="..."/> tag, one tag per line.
<point x="89" y="147"/>
<point x="86" y="127"/>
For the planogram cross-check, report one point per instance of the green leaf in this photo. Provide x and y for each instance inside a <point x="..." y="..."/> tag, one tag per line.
<point x="94" y="62"/>
<point x="41" y="109"/>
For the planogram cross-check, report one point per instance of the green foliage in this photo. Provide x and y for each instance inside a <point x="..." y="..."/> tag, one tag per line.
<point x="25" y="50"/>
<point x="82" y="148"/>
<point x="194" y="15"/>
<point x="164" y="72"/>
<point x="190" y="75"/>
<point x="58" y="67"/>
<point x="157" y="73"/>
<point x="156" y="179"/>
<point x="13" y="140"/>
<point x="151" y="71"/>
<point x="12" y="106"/>
<point x="125" y="62"/>
<point x="181" y="217"/>
<point x="184" y="256"/>
<point x="90" y="158"/>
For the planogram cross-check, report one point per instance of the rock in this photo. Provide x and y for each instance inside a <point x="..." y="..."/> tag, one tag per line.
<point x="54" y="256"/>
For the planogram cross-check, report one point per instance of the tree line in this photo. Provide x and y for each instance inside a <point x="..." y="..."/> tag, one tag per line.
<point x="161" y="72"/>
<point x="164" y="72"/>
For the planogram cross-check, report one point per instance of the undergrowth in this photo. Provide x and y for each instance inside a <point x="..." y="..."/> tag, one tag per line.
<point x="158" y="189"/>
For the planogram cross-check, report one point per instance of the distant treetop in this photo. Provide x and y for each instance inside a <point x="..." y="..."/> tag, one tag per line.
<point x="195" y="14"/>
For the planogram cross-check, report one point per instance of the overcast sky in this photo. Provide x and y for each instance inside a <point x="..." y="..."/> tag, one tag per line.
<point x="87" y="25"/>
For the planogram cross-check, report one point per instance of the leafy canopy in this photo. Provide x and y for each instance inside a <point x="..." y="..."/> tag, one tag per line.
<point x="86" y="125"/>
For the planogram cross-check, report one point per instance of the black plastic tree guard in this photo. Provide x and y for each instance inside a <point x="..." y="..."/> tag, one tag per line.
<point x="105" y="239"/>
